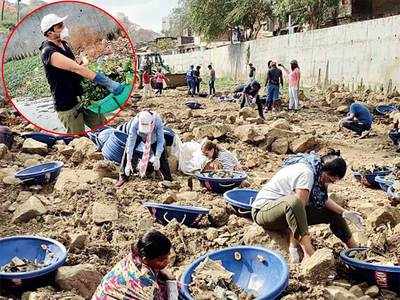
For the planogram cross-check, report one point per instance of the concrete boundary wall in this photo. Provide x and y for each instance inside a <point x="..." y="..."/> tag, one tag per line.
<point x="365" y="53"/>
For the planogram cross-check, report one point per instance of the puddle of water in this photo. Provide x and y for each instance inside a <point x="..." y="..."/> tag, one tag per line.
<point x="40" y="112"/>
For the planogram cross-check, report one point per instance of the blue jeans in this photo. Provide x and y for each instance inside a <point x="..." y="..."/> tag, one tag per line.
<point x="273" y="94"/>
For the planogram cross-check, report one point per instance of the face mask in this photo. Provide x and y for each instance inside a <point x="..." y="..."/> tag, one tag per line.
<point x="64" y="33"/>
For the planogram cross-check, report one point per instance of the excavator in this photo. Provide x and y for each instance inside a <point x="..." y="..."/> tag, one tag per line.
<point x="152" y="61"/>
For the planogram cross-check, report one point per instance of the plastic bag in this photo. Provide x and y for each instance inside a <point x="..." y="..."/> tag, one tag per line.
<point x="191" y="157"/>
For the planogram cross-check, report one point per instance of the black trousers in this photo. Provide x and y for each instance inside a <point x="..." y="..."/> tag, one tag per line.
<point x="164" y="165"/>
<point x="356" y="126"/>
<point x="258" y="102"/>
<point x="211" y="85"/>
<point x="197" y="87"/>
<point x="159" y="86"/>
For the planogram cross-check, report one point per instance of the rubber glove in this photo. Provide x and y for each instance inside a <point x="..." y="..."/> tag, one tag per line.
<point x="156" y="163"/>
<point x="128" y="168"/>
<point x="112" y="86"/>
<point x="294" y="255"/>
<point x="355" y="218"/>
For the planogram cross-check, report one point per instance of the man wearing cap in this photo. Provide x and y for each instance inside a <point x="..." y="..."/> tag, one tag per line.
<point x="145" y="144"/>
<point x="64" y="76"/>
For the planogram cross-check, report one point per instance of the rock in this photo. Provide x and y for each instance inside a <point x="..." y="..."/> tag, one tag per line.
<point x="319" y="266"/>
<point x="383" y="215"/>
<point x="77" y="157"/>
<point x="85" y="145"/>
<point x="83" y="279"/>
<point x="34" y="147"/>
<point x="246" y="133"/>
<point x="11" y="180"/>
<point x="255" y="120"/>
<point x="372" y="291"/>
<point x="78" y="241"/>
<point x="338" y="293"/>
<point x="106" y="168"/>
<point x="30" y="209"/>
<point x="231" y="119"/>
<point x="3" y="151"/>
<point x="31" y="162"/>
<point x="168" y="198"/>
<point x="365" y="297"/>
<point x="191" y="196"/>
<point x="247" y="112"/>
<point x="356" y="291"/>
<point x="211" y="234"/>
<point x="303" y="144"/>
<point x="280" y="146"/>
<point x="211" y="131"/>
<point x="102" y="213"/>
<point x="253" y="234"/>
<point x="69" y="178"/>
<point x="67" y="151"/>
<point x="218" y="216"/>
<point x="342" y="109"/>
<point x="280" y="124"/>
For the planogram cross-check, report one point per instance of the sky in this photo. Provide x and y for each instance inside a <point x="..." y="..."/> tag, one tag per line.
<point x="147" y="14"/>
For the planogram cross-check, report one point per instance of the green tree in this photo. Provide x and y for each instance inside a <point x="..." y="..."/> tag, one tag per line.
<point x="249" y="14"/>
<point x="178" y="21"/>
<point x="313" y="12"/>
<point x="207" y="17"/>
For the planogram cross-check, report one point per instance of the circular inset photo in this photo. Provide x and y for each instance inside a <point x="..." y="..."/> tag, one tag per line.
<point x="68" y="67"/>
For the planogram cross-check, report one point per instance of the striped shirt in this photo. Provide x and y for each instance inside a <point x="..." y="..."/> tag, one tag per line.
<point x="227" y="160"/>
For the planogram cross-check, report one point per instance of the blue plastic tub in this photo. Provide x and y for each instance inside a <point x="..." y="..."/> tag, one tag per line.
<point x="255" y="269"/>
<point x="40" y="174"/>
<point x="187" y="215"/>
<point x="386" y="109"/>
<point x="387" y="277"/>
<point x="241" y="200"/>
<point x="30" y="247"/>
<point x="46" y="138"/>
<point x="370" y="178"/>
<point x="221" y="185"/>
<point x="113" y="149"/>
<point x="383" y="182"/>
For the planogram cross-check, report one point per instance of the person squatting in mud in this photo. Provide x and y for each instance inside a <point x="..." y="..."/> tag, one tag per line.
<point x="359" y="119"/>
<point x="141" y="274"/>
<point x="145" y="145"/>
<point x="64" y="75"/>
<point x="297" y="196"/>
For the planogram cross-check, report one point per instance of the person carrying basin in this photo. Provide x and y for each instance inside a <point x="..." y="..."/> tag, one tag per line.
<point x="64" y="74"/>
<point x="297" y="196"/>
<point x="359" y="119"/>
<point x="145" y="145"/>
<point x="142" y="273"/>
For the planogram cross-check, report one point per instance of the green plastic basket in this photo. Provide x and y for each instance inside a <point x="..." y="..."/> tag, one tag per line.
<point x="111" y="102"/>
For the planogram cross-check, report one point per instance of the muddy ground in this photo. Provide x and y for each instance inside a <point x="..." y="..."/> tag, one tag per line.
<point x="69" y="208"/>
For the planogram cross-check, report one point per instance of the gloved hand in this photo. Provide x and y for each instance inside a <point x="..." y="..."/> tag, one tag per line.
<point x="128" y="168"/>
<point x="294" y="255"/>
<point x="156" y="163"/>
<point x="355" y="218"/>
<point x="111" y="85"/>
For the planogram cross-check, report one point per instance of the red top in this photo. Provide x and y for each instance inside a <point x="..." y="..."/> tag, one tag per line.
<point x="146" y="77"/>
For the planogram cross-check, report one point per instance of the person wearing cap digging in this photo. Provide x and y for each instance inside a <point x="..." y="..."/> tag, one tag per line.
<point x="64" y="75"/>
<point x="145" y="144"/>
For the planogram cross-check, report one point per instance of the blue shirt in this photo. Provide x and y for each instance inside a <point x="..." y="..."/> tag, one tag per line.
<point x="361" y="112"/>
<point x="156" y="137"/>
